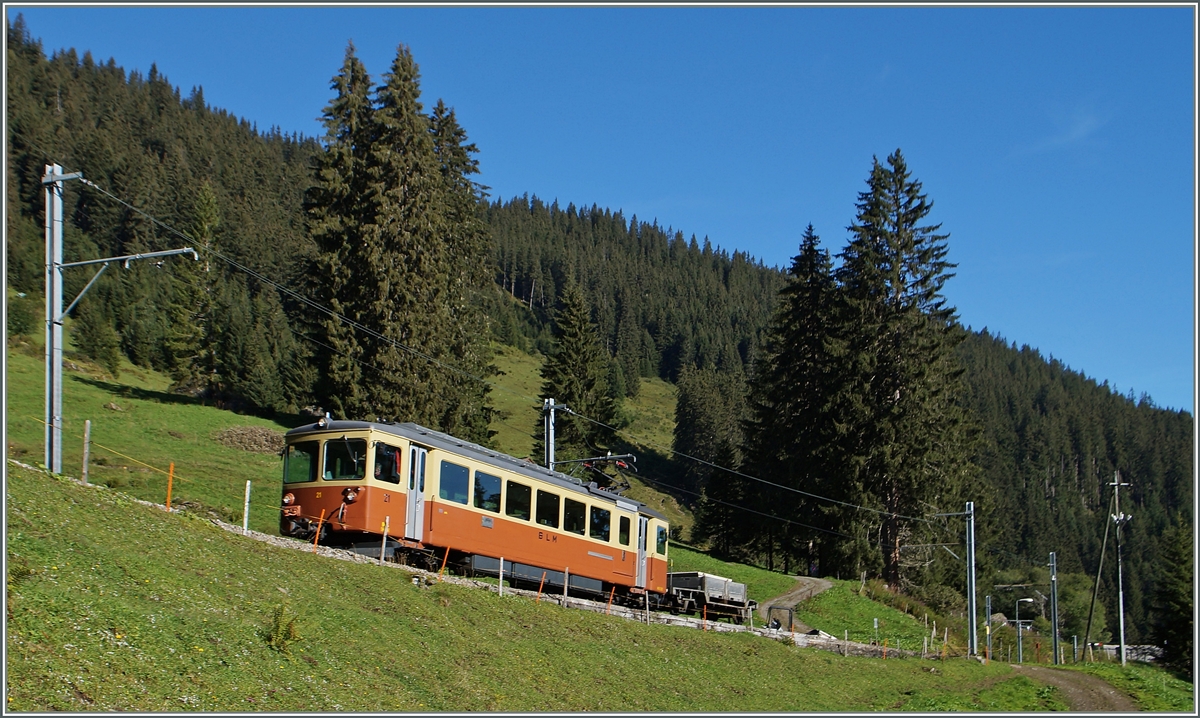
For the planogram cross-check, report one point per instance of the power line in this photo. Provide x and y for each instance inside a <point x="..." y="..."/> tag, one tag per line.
<point x="373" y="333"/>
<point x="745" y="475"/>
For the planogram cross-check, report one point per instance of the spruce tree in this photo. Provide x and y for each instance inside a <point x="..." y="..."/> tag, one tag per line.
<point x="338" y="207"/>
<point x="575" y="374"/>
<point x="789" y="429"/>
<point x="402" y="257"/>
<point x="403" y="263"/>
<point x="190" y="343"/>
<point x="1174" y="622"/>
<point x="709" y="412"/>
<point x="903" y="441"/>
<point x="95" y="337"/>
<point x="472" y="274"/>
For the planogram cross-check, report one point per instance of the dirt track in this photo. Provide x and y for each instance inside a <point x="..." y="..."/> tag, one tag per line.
<point x="1082" y="692"/>
<point x="806" y="588"/>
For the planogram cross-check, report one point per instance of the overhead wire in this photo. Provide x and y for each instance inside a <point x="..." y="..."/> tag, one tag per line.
<point x="375" y="334"/>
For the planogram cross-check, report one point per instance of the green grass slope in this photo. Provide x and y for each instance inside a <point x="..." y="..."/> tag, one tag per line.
<point x="842" y="612"/>
<point x="114" y="605"/>
<point x="138" y="431"/>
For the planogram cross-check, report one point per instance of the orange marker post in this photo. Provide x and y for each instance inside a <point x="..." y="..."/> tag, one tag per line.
<point x="170" y="480"/>
<point x="704" y="618"/>
<point x="885" y="649"/>
<point x="444" y="560"/>
<point x="608" y="611"/>
<point x="383" y="546"/>
<point x="317" y="535"/>
<point x="540" y="584"/>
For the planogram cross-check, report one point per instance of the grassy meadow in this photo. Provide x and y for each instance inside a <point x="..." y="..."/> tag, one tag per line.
<point x="114" y="605"/>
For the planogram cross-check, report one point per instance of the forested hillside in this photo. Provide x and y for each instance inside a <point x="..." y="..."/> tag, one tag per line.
<point x="140" y="139"/>
<point x="660" y="302"/>
<point x="1052" y="442"/>
<point x="1048" y="439"/>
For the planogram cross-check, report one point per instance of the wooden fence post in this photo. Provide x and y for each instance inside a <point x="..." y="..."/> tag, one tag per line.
<point x="87" y="444"/>
<point x="246" y="512"/>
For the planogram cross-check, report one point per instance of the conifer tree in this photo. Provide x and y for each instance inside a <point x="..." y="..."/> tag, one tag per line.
<point x="709" y="412"/>
<point x="402" y="254"/>
<point x="338" y="208"/>
<point x="575" y="374"/>
<point x="471" y="277"/>
<point x="402" y="262"/>
<point x="1174" y="621"/>
<point x="903" y="440"/>
<point x="190" y="344"/>
<point x="95" y="337"/>
<point x="789" y="428"/>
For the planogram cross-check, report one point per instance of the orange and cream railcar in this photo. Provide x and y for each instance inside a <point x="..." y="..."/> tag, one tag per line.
<point x="443" y="498"/>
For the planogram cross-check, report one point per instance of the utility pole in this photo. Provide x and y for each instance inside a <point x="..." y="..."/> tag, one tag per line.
<point x="972" y="619"/>
<point x="1087" y="634"/>
<point x="1054" y="602"/>
<point x="548" y="406"/>
<point x="988" y="603"/>
<point x="1119" y="519"/>
<point x="53" y="182"/>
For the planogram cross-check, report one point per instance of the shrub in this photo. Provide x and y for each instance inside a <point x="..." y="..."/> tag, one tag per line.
<point x="22" y="315"/>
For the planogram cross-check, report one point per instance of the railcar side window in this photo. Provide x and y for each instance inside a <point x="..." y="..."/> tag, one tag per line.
<point x="387" y="463"/>
<point x="487" y="492"/>
<point x="574" y="516"/>
<point x="300" y="462"/>
<point x="345" y="459"/>
<point x="519" y="500"/>
<point x="547" y="509"/>
<point x="453" y="486"/>
<point x="661" y="546"/>
<point x="623" y="533"/>
<point x="600" y="523"/>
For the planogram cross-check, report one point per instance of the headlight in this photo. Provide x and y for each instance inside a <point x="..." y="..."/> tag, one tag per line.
<point x="289" y="499"/>
<point x="350" y="495"/>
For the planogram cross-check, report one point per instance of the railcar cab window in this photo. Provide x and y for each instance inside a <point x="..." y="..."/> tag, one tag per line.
<point x="574" y="516"/>
<point x="518" y="501"/>
<point x="487" y="492"/>
<point x="661" y="546"/>
<point x="601" y="519"/>
<point x="623" y="533"/>
<point x="300" y="462"/>
<point x="454" y="483"/>
<point x="345" y="459"/>
<point x="387" y="463"/>
<point x="547" y="509"/>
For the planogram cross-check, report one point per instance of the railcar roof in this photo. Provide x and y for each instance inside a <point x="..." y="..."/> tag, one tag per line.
<point x="439" y="440"/>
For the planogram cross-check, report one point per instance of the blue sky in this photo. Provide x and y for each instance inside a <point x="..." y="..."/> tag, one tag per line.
<point x="1058" y="144"/>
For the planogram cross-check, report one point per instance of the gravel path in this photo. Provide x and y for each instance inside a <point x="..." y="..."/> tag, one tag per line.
<point x="1082" y="692"/>
<point x="806" y="587"/>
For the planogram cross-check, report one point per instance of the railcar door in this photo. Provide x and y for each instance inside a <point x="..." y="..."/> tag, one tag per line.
<point x="414" y="524"/>
<point x="641" y="559"/>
